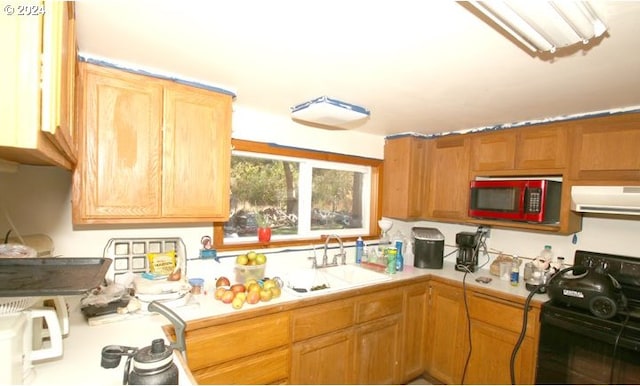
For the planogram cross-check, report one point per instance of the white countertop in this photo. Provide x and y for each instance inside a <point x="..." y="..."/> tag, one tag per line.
<point x="80" y="363"/>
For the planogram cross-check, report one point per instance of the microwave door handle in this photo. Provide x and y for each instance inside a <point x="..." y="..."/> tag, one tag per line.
<point x="524" y="200"/>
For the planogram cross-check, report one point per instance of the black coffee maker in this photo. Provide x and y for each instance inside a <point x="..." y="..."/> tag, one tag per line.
<point x="467" y="251"/>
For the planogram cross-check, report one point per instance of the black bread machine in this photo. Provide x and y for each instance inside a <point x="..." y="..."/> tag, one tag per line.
<point x="428" y="247"/>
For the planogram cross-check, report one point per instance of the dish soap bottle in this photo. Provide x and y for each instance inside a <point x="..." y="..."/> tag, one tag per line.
<point x="359" y="250"/>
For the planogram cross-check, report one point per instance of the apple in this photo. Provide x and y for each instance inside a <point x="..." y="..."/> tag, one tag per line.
<point x="227" y="296"/>
<point x="253" y="297"/>
<point x="261" y="258"/>
<point x="250" y="281"/>
<point x="222" y="282"/>
<point x="252" y="256"/>
<point x="241" y="295"/>
<point x="276" y="292"/>
<point x="236" y="288"/>
<point x="254" y="287"/>
<point x="237" y="303"/>
<point x="269" y="283"/>
<point x="265" y="295"/>
<point x="242" y="260"/>
<point x="219" y="292"/>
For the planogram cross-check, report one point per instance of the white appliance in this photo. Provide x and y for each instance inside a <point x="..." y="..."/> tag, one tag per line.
<point x="16" y="343"/>
<point x="624" y="200"/>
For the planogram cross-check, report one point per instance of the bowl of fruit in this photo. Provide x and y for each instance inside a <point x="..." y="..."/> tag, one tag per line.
<point x="250" y="266"/>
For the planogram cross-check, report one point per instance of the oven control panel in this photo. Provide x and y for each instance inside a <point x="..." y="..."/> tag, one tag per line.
<point x="624" y="268"/>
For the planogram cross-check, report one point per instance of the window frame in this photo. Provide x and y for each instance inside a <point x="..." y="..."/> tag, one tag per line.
<point x="375" y="204"/>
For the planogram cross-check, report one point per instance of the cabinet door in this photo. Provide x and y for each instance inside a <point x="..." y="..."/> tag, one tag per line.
<point x="607" y="150"/>
<point x="447" y="345"/>
<point x="542" y="147"/>
<point x="325" y="360"/>
<point x="266" y="368"/>
<point x="405" y="173"/>
<point x="495" y="327"/>
<point x="491" y="356"/>
<point x="448" y="193"/>
<point x="493" y="151"/>
<point x="120" y="147"/>
<point x="412" y="362"/>
<point x="377" y="350"/>
<point x="23" y="90"/>
<point x="58" y="77"/>
<point x="197" y="154"/>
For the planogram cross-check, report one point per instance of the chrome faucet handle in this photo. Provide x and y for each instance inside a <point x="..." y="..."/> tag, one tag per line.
<point x="343" y="258"/>
<point x="325" y="259"/>
<point x="314" y="264"/>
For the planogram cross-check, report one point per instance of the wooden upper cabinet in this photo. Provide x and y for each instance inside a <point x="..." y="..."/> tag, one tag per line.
<point x="37" y="92"/>
<point x="523" y="149"/>
<point x="197" y="154"/>
<point x="542" y="147"/>
<point x="58" y="77"/>
<point x="405" y="176"/>
<point x="121" y="168"/>
<point x="151" y="151"/>
<point x="448" y="189"/>
<point x="495" y="150"/>
<point x="606" y="149"/>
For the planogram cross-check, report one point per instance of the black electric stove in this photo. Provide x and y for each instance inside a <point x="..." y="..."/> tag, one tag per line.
<point x="577" y="347"/>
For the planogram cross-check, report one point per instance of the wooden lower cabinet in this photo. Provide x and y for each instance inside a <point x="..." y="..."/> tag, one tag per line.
<point x="325" y="360"/>
<point x="447" y="345"/>
<point x="496" y="324"/>
<point x="266" y="368"/>
<point x="377" y="349"/>
<point x="322" y="350"/>
<point x="414" y="330"/>
<point x="391" y="336"/>
<point x="491" y="356"/>
<point x="250" y="351"/>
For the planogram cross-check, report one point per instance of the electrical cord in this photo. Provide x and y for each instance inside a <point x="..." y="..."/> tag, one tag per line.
<point x="615" y="347"/>
<point x="535" y="290"/>
<point x="466" y="308"/>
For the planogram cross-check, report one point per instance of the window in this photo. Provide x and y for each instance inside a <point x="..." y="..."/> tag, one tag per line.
<point x="302" y="195"/>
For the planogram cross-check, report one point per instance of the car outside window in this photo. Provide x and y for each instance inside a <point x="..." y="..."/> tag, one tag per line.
<point x="301" y="195"/>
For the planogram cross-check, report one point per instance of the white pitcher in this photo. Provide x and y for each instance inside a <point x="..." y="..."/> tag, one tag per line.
<point x="16" y="343"/>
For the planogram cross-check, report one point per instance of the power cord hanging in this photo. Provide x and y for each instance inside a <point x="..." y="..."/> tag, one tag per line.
<point x="525" y="312"/>
<point x="466" y="308"/>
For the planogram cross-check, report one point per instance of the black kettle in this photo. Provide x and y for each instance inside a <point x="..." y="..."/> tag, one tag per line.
<point x="152" y="365"/>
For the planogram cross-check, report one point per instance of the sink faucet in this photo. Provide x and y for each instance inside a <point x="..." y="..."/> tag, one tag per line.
<point x="342" y="255"/>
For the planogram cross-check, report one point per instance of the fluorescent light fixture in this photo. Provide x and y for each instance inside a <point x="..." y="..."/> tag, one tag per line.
<point x="545" y="25"/>
<point x="328" y="111"/>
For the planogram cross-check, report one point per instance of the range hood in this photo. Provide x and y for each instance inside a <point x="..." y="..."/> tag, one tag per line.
<point x="606" y="199"/>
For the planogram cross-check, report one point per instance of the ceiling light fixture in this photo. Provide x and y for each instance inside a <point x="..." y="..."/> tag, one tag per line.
<point x="545" y="25"/>
<point x="328" y="111"/>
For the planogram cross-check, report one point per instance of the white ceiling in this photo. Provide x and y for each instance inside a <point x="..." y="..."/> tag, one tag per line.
<point x="418" y="66"/>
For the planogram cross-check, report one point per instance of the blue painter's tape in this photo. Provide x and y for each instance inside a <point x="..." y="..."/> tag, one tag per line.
<point x="104" y="63"/>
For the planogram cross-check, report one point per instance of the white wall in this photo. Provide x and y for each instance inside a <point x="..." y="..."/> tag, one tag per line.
<point x="38" y="200"/>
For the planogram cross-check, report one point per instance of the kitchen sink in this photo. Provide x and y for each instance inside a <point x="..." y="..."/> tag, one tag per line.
<point x="310" y="282"/>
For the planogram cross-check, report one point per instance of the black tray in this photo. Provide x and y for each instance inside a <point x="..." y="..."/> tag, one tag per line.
<point x="51" y="276"/>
